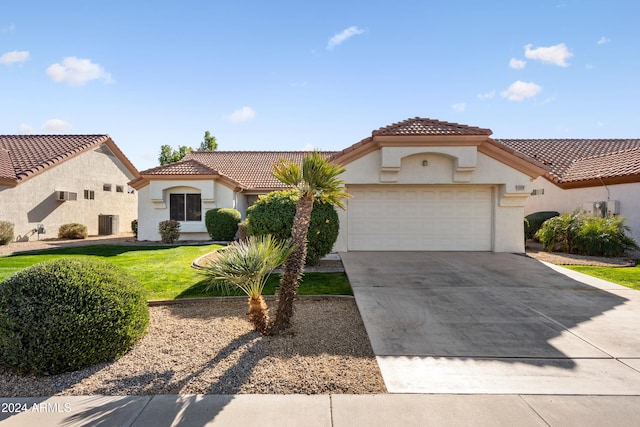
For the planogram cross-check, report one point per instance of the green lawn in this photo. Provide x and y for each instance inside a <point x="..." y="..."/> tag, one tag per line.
<point x="629" y="276"/>
<point x="165" y="271"/>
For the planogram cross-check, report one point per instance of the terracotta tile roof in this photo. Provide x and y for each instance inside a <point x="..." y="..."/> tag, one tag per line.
<point x="577" y="159"/>
<point x="423" y="126"/>
<point x="249" y="169"/>
<point x="22" y="156"/>
<point x="626" y="162"/>
<point x="183" y="167"/>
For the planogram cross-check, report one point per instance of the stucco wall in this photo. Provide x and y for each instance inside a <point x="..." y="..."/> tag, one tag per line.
<point x="153" y="206"/>
<point x="34" y="201"/>
<point x="448" y="165"/>
<point x="557" y="199"/>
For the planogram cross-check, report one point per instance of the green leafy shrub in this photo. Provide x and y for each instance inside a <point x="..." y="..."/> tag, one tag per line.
<point x="169" y="230"/>
<point x="73" y="231"/>
<point x="586" y="234"/>
<point x="134" y="228"/>
<point x="603" y="237"/>
<point x="66" y="314"/>
<point x="6" y="232"/>
<point x="273" y="214"/>
<point x="534" y="221"/>
<point x="243" y="234"/>
<point x="222" y="224"/>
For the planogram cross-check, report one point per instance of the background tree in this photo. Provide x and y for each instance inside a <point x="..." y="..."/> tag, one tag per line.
<point x="169" y="155"/>
<point x="209" y="143"/>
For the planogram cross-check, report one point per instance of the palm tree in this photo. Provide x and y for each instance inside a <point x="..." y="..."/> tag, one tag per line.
<point x="246" y="265"/>
<point x="318" y="177"/>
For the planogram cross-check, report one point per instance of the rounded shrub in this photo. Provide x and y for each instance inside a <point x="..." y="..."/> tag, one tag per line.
<point x="222" y="224"/>
<point x="273" y="214"/>
<point x="6" y="232"/>
<point x="67" y="314"/>
<point x="73" y="231"/>
<point x="534" y="221"/>
<point x="169" y="231"/>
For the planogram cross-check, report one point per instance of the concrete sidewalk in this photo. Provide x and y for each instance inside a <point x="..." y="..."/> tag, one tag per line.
<point x="322" y="410"/>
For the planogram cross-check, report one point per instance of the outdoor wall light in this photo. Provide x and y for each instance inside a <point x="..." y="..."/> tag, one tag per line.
<point x="425" y="163"/>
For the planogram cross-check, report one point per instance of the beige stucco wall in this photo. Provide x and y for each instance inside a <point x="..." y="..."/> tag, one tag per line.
<point x="557" y="199"/>
<point x="447" y="165"/>
<point x="34" y="201"/>
<point x="153" y="206"/>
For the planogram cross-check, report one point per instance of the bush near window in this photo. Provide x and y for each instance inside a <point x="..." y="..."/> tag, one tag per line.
<point x="66" y="314"/>
<point x="73" y="231"/>
<point x="169" y="231"/>
<point x="273" y="214"/>
<point x="134" y="228"/>
<point x="6" y="232"/>
<point x="222" y="224"/>
<point x="586" y="234"/>
<point x="534" y="221"/>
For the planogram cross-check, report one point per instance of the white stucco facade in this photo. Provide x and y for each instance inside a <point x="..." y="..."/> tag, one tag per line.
<point x="35" y="201"/>
<point x="554" y="198"/>
<point x="440" y="168"/>
<point x="153" y="205"/>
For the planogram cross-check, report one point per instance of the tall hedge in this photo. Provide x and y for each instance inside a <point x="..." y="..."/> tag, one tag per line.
<point x="222" y="224"/>
<point x="273" y="214"/>
<point x="67" y="314"/>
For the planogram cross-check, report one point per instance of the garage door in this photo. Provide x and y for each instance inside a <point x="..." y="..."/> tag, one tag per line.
<point x="427" y="218"/>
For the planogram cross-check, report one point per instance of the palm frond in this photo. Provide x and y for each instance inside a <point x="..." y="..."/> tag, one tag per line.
<point x="247" y="265"/>
<point x="287" y="172"/>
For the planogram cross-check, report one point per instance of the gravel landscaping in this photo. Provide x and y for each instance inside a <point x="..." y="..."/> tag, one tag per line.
<point x="208" y="347"/>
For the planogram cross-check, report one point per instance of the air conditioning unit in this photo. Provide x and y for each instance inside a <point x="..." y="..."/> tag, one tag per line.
<point x="66" y="195"/>
<point x="595" y="208"/>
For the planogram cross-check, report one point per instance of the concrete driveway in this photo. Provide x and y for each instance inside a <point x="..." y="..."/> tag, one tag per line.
<point x="478" y="322"/>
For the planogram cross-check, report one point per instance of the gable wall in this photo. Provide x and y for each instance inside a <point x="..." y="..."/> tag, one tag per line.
<point x="34" y="201"/>
<point x="153" y="206"/>
<point x="560" y="200"/>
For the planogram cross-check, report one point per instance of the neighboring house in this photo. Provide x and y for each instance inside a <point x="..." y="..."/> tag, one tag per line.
<point x="420" y="184"/>
<point x="598" y="175"/>
<point x="50" y="180"/>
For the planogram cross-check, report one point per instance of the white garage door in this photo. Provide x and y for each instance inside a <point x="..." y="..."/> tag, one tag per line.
<point x="427" y="218"/>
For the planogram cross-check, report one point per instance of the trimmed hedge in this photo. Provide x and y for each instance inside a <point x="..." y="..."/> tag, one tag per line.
<point x="73" y="231"/>
<point x="273" y="214"/>
<point x="222" y="224"/>
<point x="534" y="221"/>
<point x="6" y="232"/>
<point x="169" y="230"/>
<point x="66" y="314"/>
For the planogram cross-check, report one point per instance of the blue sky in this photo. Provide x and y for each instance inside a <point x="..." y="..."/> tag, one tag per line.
<point x="290" y="75"/>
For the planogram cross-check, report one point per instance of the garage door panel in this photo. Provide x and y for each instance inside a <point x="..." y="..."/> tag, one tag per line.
<point x="420" y="218"/>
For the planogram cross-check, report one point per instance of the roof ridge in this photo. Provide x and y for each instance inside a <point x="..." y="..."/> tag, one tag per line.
<point x="444" y="127"/>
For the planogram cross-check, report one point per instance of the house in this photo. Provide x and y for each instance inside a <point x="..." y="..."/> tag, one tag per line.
<point x="419" y="184"/>
<point x="597" y="175"/>
<point x="50" y="180"/>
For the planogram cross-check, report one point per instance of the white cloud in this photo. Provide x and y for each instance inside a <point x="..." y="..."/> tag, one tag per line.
<point x="603" y="40"/>
<point x="557" y="54"/>
<point x="344" y="35"/>
<point x="13" y="57"/>
<point x="25" y="129"/>
<point x="7" y="29"/>
<point x="241" y="115"/>
<point x="308" y="147"/>
<point x="487" y="95"/>
<point x="600" y="124"/>
<point x="517" y="64"/>
<point x="519" y="90"/>
<point x="56" y="125"/>
<point x="459" y="107"/>
<point x="76" y="72"/>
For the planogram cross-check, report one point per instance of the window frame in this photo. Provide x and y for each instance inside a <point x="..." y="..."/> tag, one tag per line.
<point x="185" y="207"/>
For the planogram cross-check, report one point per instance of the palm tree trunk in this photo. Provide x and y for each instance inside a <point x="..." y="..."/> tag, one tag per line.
<point x="258" y="313"/>
<point x="293" y="267"/>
